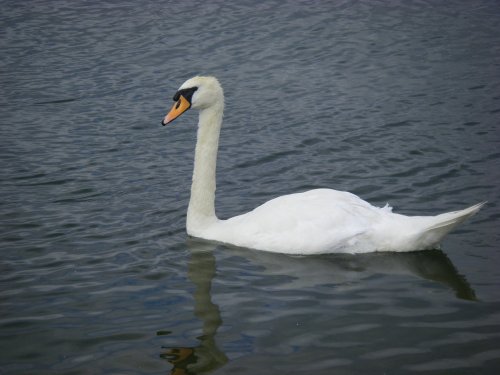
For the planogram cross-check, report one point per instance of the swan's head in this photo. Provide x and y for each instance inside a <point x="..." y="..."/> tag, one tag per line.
<point x="198" y="93"/>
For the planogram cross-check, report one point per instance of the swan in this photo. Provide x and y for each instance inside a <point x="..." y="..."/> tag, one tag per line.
<point x="312" y="222"/>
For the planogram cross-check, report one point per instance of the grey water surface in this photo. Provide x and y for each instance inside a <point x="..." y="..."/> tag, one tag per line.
<point x="395" y="101"/>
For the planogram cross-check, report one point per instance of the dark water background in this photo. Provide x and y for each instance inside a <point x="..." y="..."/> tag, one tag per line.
<point x="394" y="101"/>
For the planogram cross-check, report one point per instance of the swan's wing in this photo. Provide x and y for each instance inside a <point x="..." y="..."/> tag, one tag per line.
<point x="303" y="223"/>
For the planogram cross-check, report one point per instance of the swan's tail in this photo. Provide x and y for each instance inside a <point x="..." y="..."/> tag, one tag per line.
<point x="436" y="227"/>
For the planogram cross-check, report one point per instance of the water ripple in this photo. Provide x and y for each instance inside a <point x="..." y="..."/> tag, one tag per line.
<point x="395" y="101"/>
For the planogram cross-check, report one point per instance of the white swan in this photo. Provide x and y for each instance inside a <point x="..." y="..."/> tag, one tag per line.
<point x="312" y="222"/>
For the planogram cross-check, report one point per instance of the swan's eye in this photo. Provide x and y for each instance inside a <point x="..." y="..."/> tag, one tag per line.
<point x="186" y="93"/>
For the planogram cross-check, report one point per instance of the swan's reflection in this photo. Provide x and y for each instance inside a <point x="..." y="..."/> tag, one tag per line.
<point x="206" y="357"/>
<point x="306" y="271"/>
<point x="340" y="269"/>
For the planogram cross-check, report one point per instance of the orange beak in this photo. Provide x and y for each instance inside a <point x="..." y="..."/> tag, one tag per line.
<point x="180" y="106"/>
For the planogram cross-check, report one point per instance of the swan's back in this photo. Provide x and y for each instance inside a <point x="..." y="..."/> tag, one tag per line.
<point x="326" y="221"/>
<point x="312" y="222"/>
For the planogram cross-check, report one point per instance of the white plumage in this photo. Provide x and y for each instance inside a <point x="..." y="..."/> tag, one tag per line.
<point x="313" y="222"/>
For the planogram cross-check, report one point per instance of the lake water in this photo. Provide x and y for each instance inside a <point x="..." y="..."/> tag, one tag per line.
<point x="394" y="101"/>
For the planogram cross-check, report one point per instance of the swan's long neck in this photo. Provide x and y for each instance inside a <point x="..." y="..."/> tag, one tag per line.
<point x="201" y="210"/>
